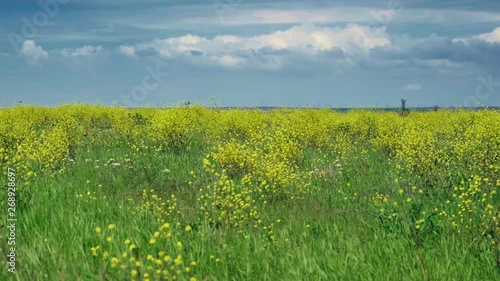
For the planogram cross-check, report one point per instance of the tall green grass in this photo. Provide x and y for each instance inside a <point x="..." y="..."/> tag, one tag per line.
<point x="334" y="232"/>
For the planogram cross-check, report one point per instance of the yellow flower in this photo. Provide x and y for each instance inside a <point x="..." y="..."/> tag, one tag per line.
<point x="98" y="230"/>
<point x="152" y="241"/>
<point x="134" y="273"/>
<point x="178" y="260"/>
<point x="94" y="250"/>
<point x="111" y="226"/>
<point x="188" y="228"/>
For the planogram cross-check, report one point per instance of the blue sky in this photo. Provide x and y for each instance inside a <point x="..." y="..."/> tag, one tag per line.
<point x="250" y="53"/>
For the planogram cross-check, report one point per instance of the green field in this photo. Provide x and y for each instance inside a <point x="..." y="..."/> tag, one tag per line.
<point x="255" y="199"/>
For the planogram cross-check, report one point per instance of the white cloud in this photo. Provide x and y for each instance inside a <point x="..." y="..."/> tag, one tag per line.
<point x="308" y="39"/>
<point x="413" y="87"/>
<point x="32" y="52"/>
<point x="229" y="61"/>
<point x="493" y="37"/>
<point x="298" y="16"/>
<point x="461" y="39"/>
<point x="128" y="51"/>
<point x="85" y="51"/>
<point x="379" y="15"/>
<point x="248" y="14"/>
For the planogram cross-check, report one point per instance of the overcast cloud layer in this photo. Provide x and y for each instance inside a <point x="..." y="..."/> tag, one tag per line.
<point x="251" y="53"/>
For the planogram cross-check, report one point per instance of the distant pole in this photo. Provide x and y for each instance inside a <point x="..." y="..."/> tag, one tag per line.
<point x="404" y="110"/>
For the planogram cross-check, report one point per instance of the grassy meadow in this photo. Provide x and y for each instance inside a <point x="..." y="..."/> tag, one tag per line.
<point x="194" y="193"/>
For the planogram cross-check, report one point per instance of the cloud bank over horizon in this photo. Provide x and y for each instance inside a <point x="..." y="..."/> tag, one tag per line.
<point x="280" y="53"/>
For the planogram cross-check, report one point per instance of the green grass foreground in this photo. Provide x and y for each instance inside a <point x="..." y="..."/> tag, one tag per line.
<point x="333" y="233"/>
<point x="201" y="194"/>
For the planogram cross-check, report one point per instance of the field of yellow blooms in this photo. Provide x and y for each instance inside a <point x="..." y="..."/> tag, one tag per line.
<point x="195" y="193"/>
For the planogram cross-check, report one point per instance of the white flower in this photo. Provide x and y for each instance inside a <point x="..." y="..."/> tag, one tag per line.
<point x="166" y="171"/>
